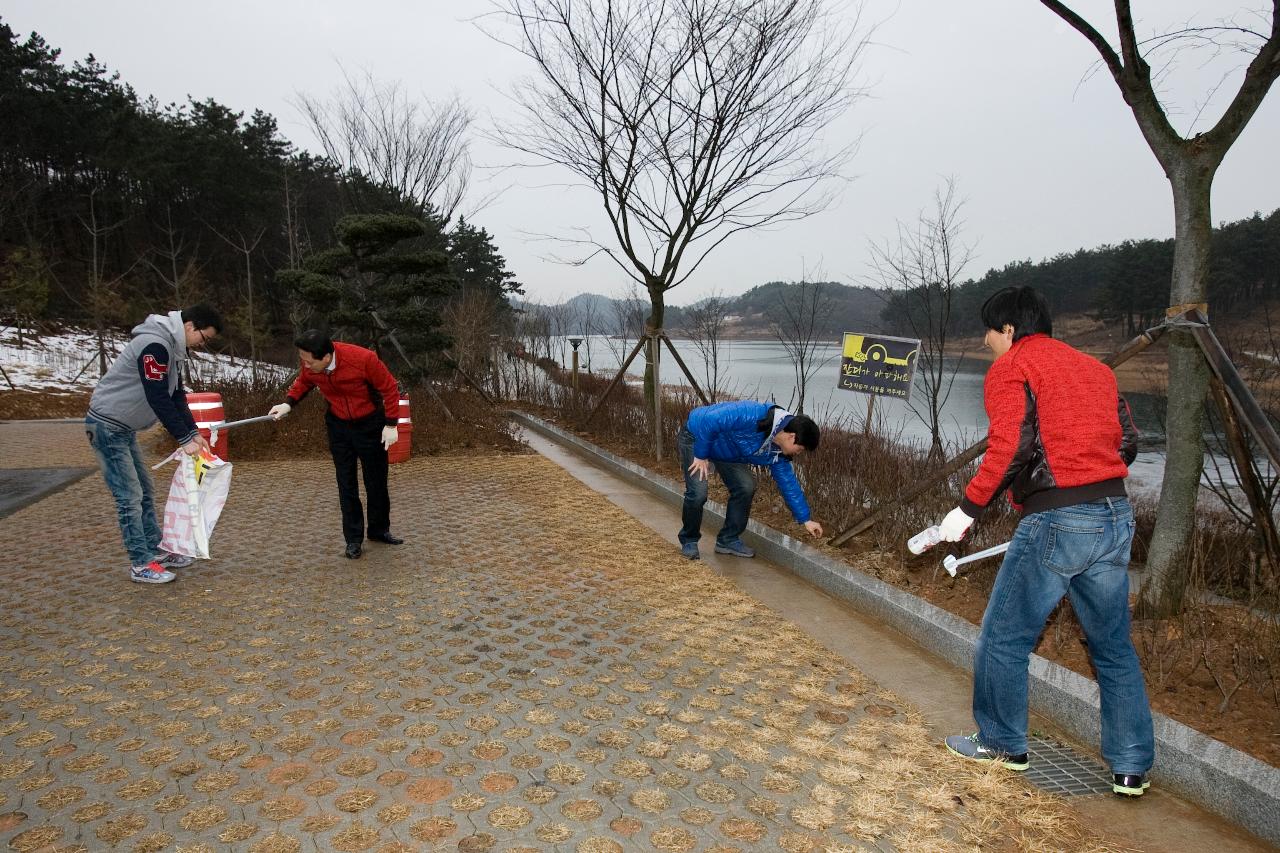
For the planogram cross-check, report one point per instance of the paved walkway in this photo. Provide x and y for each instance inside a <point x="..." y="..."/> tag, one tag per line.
<point x="941" y="691"/>
<point x="532" y="670"/>
<point x="44" y="444"/>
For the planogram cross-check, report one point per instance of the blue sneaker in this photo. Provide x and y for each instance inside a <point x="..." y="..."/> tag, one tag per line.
<point x="970" y="747"/>
<point x="736" y="548"/>
<point x="150" y="573"/>
<point x="690" y="550"/>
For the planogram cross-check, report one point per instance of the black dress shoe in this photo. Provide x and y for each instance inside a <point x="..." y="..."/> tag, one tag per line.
<point x="386" y="538"/>
<point x="353" y="551"/>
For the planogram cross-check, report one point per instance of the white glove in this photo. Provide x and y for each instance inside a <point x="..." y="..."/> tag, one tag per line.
<point x="955" y="525"/>
<point x="389" y="436"/>
<point x="279" y="410"/>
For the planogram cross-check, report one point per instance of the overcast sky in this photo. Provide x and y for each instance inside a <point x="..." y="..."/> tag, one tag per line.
<point x="993" y="92"/>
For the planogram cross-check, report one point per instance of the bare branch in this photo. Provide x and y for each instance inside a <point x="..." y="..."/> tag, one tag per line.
<point x="705" y="325"/>
<point x="924" y="270"/>
<point x="692" y="119"/>
<point x="1132" y="72"/>
<point x="800" y="325"/>
<point x="418" y="148"/>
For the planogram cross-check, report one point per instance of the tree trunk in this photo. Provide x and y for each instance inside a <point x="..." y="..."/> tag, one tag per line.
<point x="253" y="322"/>
<point x="102" y="345"/>
<point x="653" y="323"/>
<point x="1169" y="558"/>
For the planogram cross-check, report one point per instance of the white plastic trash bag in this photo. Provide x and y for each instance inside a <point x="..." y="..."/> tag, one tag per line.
<point x="196" y="497"/>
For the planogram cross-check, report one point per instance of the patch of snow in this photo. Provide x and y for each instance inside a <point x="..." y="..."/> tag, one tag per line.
<point x="68" y="362"/>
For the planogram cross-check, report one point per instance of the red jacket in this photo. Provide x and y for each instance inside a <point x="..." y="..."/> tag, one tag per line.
<point x="1060" y="432"/>
<point x="357" y="373"/>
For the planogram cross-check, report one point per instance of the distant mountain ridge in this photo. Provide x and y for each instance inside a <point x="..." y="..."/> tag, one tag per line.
<point x="749" y="315"/>
<point x="1123" y="285"/>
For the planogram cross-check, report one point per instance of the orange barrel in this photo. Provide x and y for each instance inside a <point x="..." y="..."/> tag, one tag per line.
<point x="206" y="408"/>
<point x="399" y="451"/>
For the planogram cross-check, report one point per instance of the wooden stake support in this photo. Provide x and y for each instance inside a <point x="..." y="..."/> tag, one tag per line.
<point x="647" y="337"/>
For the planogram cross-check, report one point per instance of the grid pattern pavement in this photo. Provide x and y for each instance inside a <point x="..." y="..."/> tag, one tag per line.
<point x="35" y="444"/>
<point x="532" y="670"/>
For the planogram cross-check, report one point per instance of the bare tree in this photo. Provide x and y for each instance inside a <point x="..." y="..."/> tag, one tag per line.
<point x="246" y="246"/>
<point x="693" y="119"/>
<point x="105" y="301"/>
<point x="1190" y="163"/>
<point x="705" y="327"/>
<point x="800" y="325"/>
<point x="560" y="317"/>
<point x="924" y="272"/>
<point x="175" y="266"/>
<point x="469" y="318"/>
<point x="628" y="321"/>
<point x="534" y="330"/>
<point x="420" y="148"/>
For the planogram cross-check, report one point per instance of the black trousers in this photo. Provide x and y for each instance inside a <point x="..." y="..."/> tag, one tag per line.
<point x="349" y="442"/>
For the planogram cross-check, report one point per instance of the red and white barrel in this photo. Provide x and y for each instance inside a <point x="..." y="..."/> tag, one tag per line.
<point x="399" y="451"/>
<point x="206" y="409"/>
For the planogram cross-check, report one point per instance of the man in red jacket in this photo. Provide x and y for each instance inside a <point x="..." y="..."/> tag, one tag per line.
<point x="1060" y="441"/>
<point x="364" y="407"/>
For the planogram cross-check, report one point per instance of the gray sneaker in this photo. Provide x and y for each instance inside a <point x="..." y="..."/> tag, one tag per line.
<point x="690" y="550"/>
<point x="150" y="573"/>
<point x="173" y="561"/>
<point x="736" y="548"/>
<point x="970" y="747"/>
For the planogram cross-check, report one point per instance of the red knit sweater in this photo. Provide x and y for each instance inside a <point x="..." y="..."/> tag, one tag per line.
<point x="1060" y="434"/>
<point x="347" y="388"/>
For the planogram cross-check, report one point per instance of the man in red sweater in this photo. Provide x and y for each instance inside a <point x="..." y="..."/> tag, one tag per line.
<point x="1060" y="441"/>
<point x="364" y="407"/>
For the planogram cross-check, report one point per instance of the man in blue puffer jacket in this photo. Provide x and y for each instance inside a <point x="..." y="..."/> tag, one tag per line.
<point x="736" y="436"/>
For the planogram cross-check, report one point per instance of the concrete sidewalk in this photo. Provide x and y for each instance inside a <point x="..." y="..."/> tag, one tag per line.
<point x="1159" y="821"/>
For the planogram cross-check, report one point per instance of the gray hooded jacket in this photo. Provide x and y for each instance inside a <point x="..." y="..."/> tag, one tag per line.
<point x="144" y="383"/>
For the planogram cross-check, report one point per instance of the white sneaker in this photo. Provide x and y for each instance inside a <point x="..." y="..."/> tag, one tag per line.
<point x="150" y="573"/>
<point x="167" y="560"/>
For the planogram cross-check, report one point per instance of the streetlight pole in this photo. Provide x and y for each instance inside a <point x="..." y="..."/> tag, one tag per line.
<point x="575" y="343"/>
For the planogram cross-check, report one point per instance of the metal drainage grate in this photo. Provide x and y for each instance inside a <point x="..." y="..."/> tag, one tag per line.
<point x="1059" y="769"/>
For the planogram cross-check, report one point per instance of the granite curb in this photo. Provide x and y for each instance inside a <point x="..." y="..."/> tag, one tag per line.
<point x="1206" y="771"/>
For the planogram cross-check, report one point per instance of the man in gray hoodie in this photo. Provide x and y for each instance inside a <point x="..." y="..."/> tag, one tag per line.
<point x="144" y="385"/>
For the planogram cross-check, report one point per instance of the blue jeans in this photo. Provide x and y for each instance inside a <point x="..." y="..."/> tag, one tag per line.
<point x="127" y="477"/>
<point x="1081" y="551"/>
<point x="737" y="477"/>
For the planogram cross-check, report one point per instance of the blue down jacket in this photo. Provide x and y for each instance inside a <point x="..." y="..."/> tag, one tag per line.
<point x="726" y="432"/>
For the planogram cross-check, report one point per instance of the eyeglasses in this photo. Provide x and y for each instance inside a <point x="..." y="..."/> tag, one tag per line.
<point x="203" y="338"/>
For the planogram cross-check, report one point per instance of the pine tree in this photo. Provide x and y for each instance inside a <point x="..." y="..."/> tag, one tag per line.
<point x="387" y="276"/>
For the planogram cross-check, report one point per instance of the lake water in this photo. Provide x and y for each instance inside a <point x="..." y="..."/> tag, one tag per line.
<point x="761" y="370"/>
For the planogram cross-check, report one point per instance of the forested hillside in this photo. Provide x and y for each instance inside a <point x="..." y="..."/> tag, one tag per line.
<point x="1127" y="285"/>
<point x="113" y="204"/>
